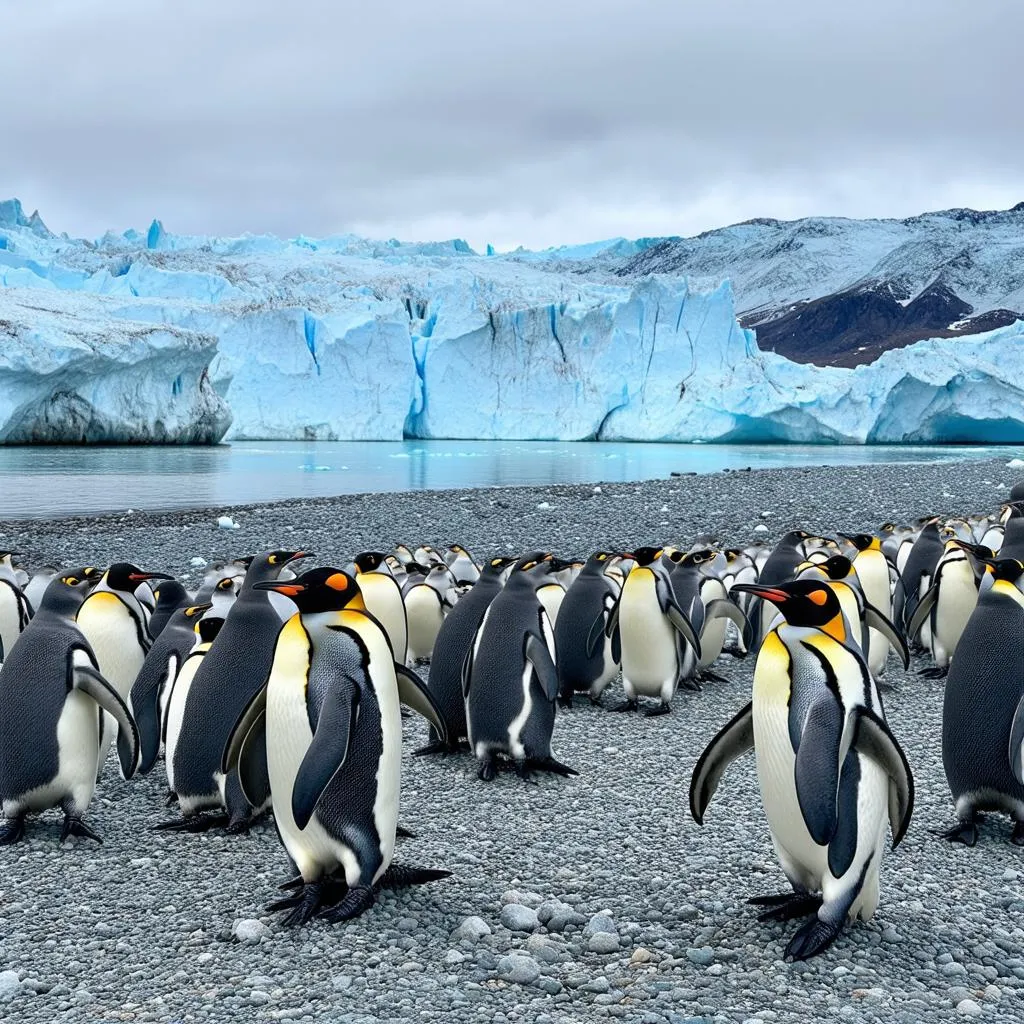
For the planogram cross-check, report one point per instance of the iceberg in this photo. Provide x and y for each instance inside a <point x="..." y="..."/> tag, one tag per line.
<point x="150" y="336"/>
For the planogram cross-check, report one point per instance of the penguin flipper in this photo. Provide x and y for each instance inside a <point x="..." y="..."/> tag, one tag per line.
<point x="233" y="748"/>
<point x="873" y="738"/>
<point x="467" y="670"/>
<point x="91" y="683"/>
<point x="1016" y="749"/>
<point x="613" y="618"/>
<point x="734" y="739"/>
<point x="678" y="619"/>
<point x="722" y="608"/>
<point x="876" y="620"/>
<point x="921" y="613"/>
<point x="327" y="750"/>
<point x="538" y="655"/>
<point x="253" y="776"/>
<point x="146" y="705"/>
<point x="595" y="635"/>
<point x="413" y="693"/>
<point x="819" y="757"/>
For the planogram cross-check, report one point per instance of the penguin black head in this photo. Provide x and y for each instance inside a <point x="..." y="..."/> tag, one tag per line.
<point x="169" y="592"/>
<point x="645" y="555"/>
<point x="269" y="565"/>
<point x="367" y="561"/>
<point x="599" y="561"/>
<point x="320" y="590"/>
<point x="533" y="560"/>
<point x="838" y="567"/>
<point x="861" y="541"/>
<point x="692" y="558"/>
<point x="1009" y="570"/>
<point x="227" y="584"/>
<point x="126" y="577"/>
<point x="496" y="566"/>
<point x="802" y="602"/>
<point x="208" y="629"/>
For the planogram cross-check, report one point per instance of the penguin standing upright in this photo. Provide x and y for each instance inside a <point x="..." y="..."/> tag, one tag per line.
<point x="114" y="624"/>
<point x="653" y="632"/>
<point x="917" y="573"/>
<point x="586" y="659"/>
<point x="873" y="571"/>
<point x="329" y="722"/>
<point x="461" y="564"/>
<point x="829" y="769"/>
<point x="983" y="709"/>
<point x="51" y="696"/>
<point x="779" y="567"/>
<point x="15" y="610"/>
<point x="383" y="598"/>
<point x="426" y="602"/>
<point x="509" y="681"/>
<point x="170" y="596"/>
<point x="452" y="647"/>
<point x="235" y="668"/>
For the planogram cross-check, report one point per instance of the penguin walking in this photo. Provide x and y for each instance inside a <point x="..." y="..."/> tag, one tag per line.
<point x="328" y="720"/>
<point x="15" y="609"/>
<point x="151" y="691"/>
<point x="587" y="659"/>
<point x="983" y="709"/>
<point x="52" y="696"/>
<point x="510" y="681"/>
<point x="230" y="673"/>
<point x="115" y="624"/>
<point x="383" y="597"/>
<point x="426" y="599"/>
<point x="653" y="633"/>
<point x="829" y="769"/>
<point x="946" y="606"/>
<point x="453" y="646"/>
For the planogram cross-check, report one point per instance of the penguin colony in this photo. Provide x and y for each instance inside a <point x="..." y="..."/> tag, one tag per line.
<point x="274" y="689"/>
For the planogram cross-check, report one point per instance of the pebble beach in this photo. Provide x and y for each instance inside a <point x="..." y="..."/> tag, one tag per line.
<point x="576" y="899"/>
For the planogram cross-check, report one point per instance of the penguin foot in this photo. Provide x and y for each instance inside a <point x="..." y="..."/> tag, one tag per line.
<point x="12" y="830"/>
<point x="171" y="799"/>
<point x="302" y="907"/>
<point x="565" y="703"/>
<point x="436" y="747"/>
<point x="76" y="827"/>
<point x="357" y="900"/>
<point x="293" y="883"/>
<point x="630" y="705"/>
<point x="404" y="833"/>
<point x="1018" y="833"/>
<point x="523" y="771"/>
<point x="787" y="907"/>
<point x="238" y="826"/>
<point x="735" y="651"/>
<point x="934" y="672"/>
<point x="692" y="684"/>
<point x="399" y="876"/>
<point x="707" y="676"/>
<point x="965" y="832"/>
<point x="661" y="709"/>
<point x="487" y="770"/>
<point x="549" y="764"/>
<point x="814" y="938"/>
<point x="194" y="823"/>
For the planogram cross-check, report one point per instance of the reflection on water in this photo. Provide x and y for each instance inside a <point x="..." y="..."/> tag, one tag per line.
<point x="67" y="481"/>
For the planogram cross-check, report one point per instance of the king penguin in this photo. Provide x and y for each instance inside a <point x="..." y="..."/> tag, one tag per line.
<point x="983" y="709"/>
<point x="383" y="598"/>
<point x="235" y="668"/>
<point x="15" y="610"/>
<point x="509" y="679"/>
<point x="426" y="602"/>
<point x="453" y="644"/>
<point x="829" y="769"/>
<point x="328" y="719"/>
<point x="52" y="696"/>
<point x="874" y="573"/>
<point x="170" y="597"/>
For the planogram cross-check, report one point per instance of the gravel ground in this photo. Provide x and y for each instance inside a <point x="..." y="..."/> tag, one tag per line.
<point x="645" y="914"/>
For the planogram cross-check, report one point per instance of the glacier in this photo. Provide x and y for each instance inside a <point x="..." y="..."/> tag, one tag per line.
<point x="152" y="337"/>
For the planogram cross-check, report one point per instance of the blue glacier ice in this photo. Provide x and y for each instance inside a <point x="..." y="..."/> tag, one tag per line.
<point x="153" y="336"/>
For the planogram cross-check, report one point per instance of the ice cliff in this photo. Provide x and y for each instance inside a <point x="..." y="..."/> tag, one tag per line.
<point x="150" y="336"/>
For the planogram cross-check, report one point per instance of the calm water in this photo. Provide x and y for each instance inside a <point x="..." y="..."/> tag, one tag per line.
<point x="36" y="482"/>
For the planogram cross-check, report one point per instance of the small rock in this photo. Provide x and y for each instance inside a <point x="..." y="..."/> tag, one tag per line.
<point x="198" y="561"/>
<point x="517" y="918"/>
<point x="544" y="505"/>
<point x="10" y="985"/>
<point x="969" y="1008"/>
<point x="523" y="970"/>
<point x="600" y="923"/>
<point x="993" y="993"/>
<point x="342" y="982"/>
<point x="453" y="956"/>
<point x="250" y="931"/>
<point x="473" y="928"/>
<point x="760" y="528"/>
<point x="640" y="956"/>
<point x="204" y="958"/>
<point x="604" y="942"/>
<point x="258" y="997"/>
<point x="701" y="957"/>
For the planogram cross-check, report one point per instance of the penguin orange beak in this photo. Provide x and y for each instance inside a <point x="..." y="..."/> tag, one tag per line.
<point x="288" y="589"/>
<point x="301" y="554"/>
<point x="139" y="577"/>
<point x="772" y="594"/>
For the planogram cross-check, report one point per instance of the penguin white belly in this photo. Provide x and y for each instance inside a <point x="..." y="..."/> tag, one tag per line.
<point x="113" y="635"/>
<point x="10" y="618"/>
<point x="803" y="860"/>
<point x="650" y="661"/>
<point x="176" y="711"/>
<point x="551" y="596"/>
<point x="423" y="608"/>
<point x="712" y="639"/>
<point x="77" y="749"/>
<point x="173" y="667"/>
<point x="958" y="597"/>
<point x="873" y="572"/>
<point x="383" y="600"/>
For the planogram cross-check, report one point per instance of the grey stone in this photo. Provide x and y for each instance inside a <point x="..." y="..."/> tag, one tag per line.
<point x="518" y="918"/>
<point x="473" y="929"/>
<point x="523" y="970"/>
<point x="600" y="923"/>
<point x="703" y="956"/>
<point x="969" y="1008"/>
<point x="249" y="931"/>
<point x="603" y="942"/>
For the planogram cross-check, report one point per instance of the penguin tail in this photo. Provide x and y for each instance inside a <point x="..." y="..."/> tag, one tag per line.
<point x="400" y="876"/>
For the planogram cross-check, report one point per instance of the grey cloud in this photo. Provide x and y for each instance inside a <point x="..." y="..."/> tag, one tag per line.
<point x="532" y="122"/>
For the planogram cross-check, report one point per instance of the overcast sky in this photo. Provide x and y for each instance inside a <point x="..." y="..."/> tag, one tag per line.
<point x="520" y="122"/>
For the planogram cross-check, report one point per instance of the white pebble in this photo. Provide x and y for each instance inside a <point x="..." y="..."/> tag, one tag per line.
<point x="250" y="931"/>
<point x="596" y="490"/>
<point x="969" y="1008"/>
<point x="760" y="528"/>
<point x="198" y="561"/>
<point x="544" y="505"/>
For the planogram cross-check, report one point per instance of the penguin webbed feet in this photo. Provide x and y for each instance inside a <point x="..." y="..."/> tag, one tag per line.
<point x="629" y="705"/>
<point x="440" y="747"/>
<point x="963" y="832"/>
<point x="171" y="799"/>
<point x="487" y="770"/>
<point x="735" y="651"/>
<point x="693" y="684"/>
<point x="661" y="709"/>
<point x="813" y="938"/>
<point x="12" y="830"/>
<point x="401" y="876"/>
<point x="75" y="826"/>
<point x="195" y="823"/>
<point x="786" y="906"/>
<point x="356" y="901"/>
<point x="933" y="672"/>
<point x="303" y="906"/>
<point x="708" y="676"/>
<point x="1018" y="833"/>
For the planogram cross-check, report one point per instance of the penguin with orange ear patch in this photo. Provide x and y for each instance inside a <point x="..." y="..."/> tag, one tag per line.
<point x="329" y="723"/>
<point x="831" y="773"/>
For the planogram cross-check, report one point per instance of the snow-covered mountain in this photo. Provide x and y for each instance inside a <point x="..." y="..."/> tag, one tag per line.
<point x="151" y="336"/>
<point x="832" y="290"/>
